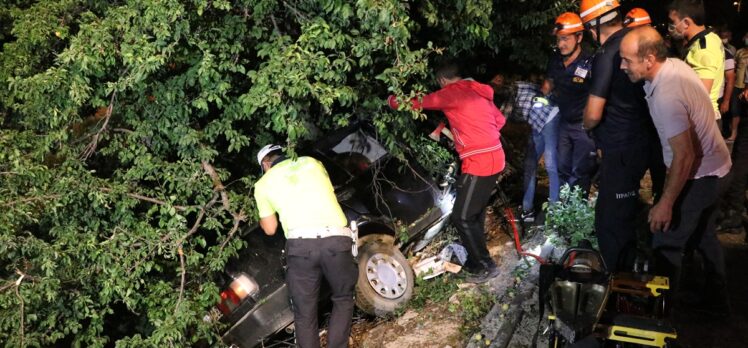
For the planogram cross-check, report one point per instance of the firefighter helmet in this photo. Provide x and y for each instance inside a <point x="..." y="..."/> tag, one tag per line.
<point x="568" y="23"/>
<point x="636" y="17"/>
<point x="595" y="9"/>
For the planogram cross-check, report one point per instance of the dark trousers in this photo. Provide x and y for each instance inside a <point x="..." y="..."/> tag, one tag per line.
<point x="693" y="219"/>
<point x="469" y="215"/>
<point x="308" y="261"/>
<point x="576" y="156"/>
<point x="618" y="202"/>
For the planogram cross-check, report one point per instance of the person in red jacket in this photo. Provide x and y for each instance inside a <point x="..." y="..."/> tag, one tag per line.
<point x="475" y="123"/>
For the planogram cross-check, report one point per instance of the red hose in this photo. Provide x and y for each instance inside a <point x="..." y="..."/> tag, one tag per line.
<point x="510" y="217"/>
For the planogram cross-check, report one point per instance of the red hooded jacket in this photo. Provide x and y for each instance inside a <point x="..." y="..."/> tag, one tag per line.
<point x="474" y="120"/>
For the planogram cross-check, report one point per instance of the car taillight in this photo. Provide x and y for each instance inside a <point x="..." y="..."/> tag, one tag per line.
<point x="241" y="288"/>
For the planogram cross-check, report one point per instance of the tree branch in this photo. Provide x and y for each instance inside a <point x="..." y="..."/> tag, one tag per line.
<point x="238" y="218"/>
<point x="180" y="250"/>
<point x="91" y="147"/>
<point x="275" y="24"/>
<point x="217" y="184"/>
<point x="299" y="16"/>
<point x="184" y="275"/>
<point x="20" y="300"/>
<point x="29" y="199"/>
<point x="122" y="130"/>
<point x="145" y="198"/>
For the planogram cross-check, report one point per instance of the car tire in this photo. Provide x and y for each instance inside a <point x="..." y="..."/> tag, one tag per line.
<point x="385" y="279"/>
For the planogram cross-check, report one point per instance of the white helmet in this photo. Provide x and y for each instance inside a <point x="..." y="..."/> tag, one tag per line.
<point x="265" y="151"/>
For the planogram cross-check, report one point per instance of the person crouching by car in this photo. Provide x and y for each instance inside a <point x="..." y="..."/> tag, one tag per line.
<point x="475" y="123"/>
<point x="318" y="241"/>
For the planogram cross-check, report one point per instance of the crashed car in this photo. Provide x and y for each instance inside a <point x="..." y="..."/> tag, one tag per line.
<point x="397" y="208"/>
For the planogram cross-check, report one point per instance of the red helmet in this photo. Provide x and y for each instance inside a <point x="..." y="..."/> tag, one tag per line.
<point x="594" y="9"/>
<point x="568" y="23"/>
<point x="636" y="17"/>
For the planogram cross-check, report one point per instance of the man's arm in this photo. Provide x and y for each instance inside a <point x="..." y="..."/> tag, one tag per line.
<point x="593" y="112"/>
<point x="434" y="101"/>
<point x="708" y="83"/>
<point x="684" y="156"/>
<point x="269" y="224"/>
<point x="729" y="85"/>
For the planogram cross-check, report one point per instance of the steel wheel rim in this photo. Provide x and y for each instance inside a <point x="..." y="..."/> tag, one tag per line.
<point x="386" y="276"/>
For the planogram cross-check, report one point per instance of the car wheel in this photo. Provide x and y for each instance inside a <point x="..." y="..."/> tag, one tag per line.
<point x="385" y="279"/>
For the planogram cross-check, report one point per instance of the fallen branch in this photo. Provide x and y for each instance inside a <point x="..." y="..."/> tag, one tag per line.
<point x="91" y="147"/>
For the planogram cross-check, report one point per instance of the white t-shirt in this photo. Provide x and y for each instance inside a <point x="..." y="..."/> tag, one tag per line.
<point x="678" y="102"/>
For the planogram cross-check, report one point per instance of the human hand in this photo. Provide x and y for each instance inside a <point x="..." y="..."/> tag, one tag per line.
<point x="724" y="107"/>
<point x="660" y="217"/>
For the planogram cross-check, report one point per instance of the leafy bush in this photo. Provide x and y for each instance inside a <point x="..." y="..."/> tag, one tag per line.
<point x="128" y="131"/>
<point x="572" y="218"/>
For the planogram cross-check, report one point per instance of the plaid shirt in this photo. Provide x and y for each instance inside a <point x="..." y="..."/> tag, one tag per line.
<point x="533" y="107"/>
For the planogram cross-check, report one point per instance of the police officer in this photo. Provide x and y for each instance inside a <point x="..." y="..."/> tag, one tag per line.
<point x="623" y="131"/>
<point x="569" y="72"/>
<point x="318" y="241"/>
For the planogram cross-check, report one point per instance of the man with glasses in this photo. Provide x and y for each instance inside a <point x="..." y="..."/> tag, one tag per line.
<point x="704" y="50"/>
<point x="569" y="73"/>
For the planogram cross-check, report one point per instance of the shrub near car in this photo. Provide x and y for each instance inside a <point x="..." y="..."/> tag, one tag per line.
<point x="396" y="206"/>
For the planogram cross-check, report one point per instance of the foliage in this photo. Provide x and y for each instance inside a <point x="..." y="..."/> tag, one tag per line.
<point x="572" y="217"/>
<point x="472" y="306"/>
<point x="434" y="290"/>
<point x="129" y="128"/>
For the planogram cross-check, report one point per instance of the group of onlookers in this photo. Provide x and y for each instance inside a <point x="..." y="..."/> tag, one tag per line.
<point x="631" y="108"/>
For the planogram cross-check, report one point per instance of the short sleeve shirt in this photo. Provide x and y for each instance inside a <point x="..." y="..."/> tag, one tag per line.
<point x="570" y="85"/>
<point x="729" y="65"/>
<point x="679" y="102"/>
<point x="301" y="193"/>
<point x="707" y="58"/>
<point x="625" y="118"/>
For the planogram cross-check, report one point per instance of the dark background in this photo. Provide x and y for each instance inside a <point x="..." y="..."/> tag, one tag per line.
<point x="719" y="13"/>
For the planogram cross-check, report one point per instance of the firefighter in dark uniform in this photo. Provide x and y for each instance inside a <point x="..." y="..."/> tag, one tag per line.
<point x="569" y="72"/>
<point x="617" y="113"/>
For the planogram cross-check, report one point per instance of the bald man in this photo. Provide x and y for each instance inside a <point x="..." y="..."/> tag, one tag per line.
<point x="694" y="152"/>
